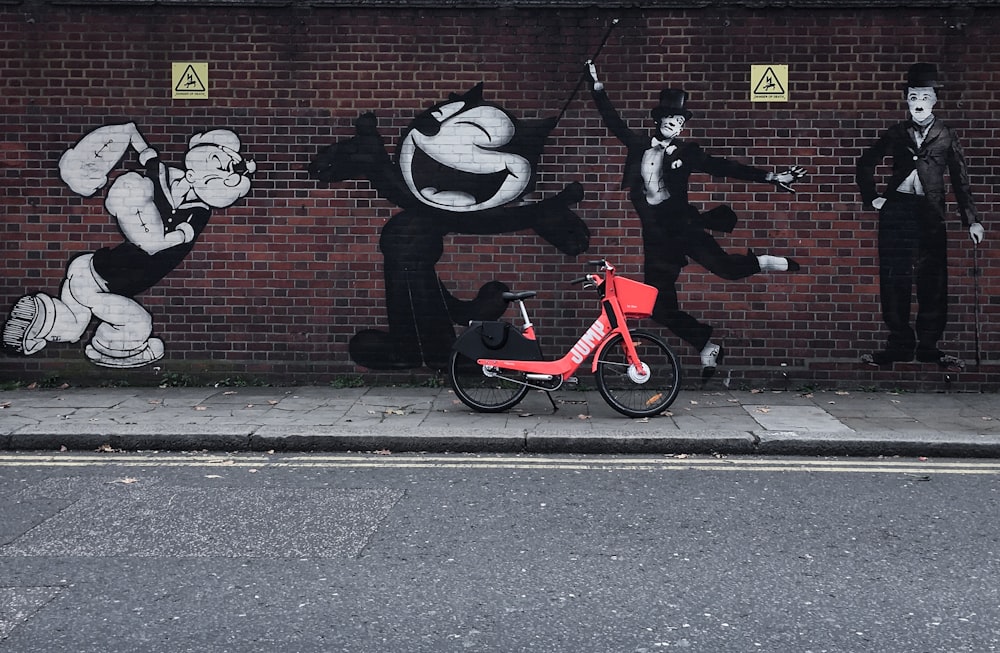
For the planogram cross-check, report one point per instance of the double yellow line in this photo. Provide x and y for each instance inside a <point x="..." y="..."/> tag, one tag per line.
<point x="385" y="460"/>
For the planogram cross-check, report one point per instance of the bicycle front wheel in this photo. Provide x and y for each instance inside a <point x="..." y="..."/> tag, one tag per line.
<point x="638" y="393"/>
<point x="482" y="393"/>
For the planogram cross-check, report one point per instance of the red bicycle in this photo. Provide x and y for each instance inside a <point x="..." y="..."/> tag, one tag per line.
<point x="494" y="364"/>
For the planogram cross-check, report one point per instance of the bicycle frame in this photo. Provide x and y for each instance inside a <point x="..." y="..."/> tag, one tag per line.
<point x="612" y="320"/>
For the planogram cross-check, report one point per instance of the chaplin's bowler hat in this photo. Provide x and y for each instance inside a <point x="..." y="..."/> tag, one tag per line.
<point x="922" y="75"/>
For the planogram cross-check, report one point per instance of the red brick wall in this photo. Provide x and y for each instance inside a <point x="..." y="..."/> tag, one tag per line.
<point x="278" y="283"/>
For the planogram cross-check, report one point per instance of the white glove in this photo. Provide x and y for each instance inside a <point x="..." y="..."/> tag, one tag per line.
<point x="592" y="71"/>
<point x="976" y="232"/>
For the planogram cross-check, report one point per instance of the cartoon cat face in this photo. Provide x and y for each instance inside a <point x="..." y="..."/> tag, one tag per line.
<point x="467" y="155"/>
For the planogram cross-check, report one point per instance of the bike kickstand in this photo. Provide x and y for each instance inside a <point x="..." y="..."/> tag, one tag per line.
<point x="555" y="407"/>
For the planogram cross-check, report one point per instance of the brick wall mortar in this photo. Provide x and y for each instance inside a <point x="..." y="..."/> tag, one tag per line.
<point x="280" y="282"/>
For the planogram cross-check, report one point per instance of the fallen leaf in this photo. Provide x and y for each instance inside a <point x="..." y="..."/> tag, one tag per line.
<point x="272" y="402"/>
<point x="582" y="416"/>
<point x="128" y="480"/>
<point x="200" y="408"/>
<point x="383" y="452"/>
<point x="105" y="448"/>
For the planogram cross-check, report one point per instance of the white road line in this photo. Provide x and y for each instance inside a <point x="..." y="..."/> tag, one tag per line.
<point x="414" y="461"/>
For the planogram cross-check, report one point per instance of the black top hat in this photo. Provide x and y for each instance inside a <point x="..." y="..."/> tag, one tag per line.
<point x="922" y="75"/>
<point x="672" y="103"/>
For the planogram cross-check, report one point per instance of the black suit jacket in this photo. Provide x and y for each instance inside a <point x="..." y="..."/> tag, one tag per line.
<point x="678" y="166"/>
<point x="939" y="153"/>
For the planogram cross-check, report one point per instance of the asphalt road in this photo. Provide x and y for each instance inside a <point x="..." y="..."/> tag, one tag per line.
<point x="409" y="553"/>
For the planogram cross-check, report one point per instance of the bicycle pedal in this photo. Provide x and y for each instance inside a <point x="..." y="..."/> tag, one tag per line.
<point x="572" y="380"/>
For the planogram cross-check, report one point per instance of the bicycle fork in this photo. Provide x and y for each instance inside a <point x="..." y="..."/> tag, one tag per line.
<point x="638" y="371"/>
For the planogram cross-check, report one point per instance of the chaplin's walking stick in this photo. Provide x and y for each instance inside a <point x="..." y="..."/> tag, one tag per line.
<point x="579" y="82"/>
<point x="975" y="297"/>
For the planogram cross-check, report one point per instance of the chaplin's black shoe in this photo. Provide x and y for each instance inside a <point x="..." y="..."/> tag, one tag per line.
<point x="888" y="357"/>
<point x="935" y="355"/>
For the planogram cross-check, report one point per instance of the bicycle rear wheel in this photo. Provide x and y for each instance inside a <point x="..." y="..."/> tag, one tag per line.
<point x="482" y="393"/>
<point x="633" y="394"/>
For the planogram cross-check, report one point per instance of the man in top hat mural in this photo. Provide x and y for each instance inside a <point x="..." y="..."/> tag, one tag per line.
<point x="657" y="168"/>
<point x="912" y="243"/>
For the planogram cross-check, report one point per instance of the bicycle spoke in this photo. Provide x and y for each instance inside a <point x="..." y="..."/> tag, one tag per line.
<point x="631" y="394"/>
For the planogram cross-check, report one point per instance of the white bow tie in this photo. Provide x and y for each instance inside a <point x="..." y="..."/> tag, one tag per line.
<point x="663" y="145"/>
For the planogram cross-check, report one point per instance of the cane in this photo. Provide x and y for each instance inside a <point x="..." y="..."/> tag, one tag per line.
<point x="975" y="297"/>
<point x="579" y="82"/>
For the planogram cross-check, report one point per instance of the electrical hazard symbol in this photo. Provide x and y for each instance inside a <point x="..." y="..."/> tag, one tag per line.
<point x="190" y="81"/>
<point x="769" y="83"/>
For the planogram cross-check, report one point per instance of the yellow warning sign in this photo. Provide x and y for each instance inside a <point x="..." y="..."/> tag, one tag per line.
<point x="189" y="81"/>
<point x="769" y="83"/>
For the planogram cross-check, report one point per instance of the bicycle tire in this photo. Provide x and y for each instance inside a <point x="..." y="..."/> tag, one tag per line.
<point x="479" y="392"/>
<point x="638" y="398"/>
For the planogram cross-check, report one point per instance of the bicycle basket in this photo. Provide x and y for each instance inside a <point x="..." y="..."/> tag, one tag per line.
<point x="636" y="298"/>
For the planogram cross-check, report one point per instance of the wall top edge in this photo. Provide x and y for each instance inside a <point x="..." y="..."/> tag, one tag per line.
<point x="532" y="4"/>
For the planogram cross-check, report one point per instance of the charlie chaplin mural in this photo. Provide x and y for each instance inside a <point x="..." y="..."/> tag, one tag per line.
<point x="460" y="167"/>
<point x="658" y="166"/>
<point x="161" y="211"/>
<point x="912" y="242"/>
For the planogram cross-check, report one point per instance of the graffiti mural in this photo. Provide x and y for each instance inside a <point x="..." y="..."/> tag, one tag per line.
<point x="912" y="242"/>
<point x="160" y="211"/>
<point x="459" y="167"/>
<point x="657" y="169"/>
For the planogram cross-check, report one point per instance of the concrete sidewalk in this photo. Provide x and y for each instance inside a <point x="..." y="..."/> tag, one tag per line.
<point x="399" y="419"/>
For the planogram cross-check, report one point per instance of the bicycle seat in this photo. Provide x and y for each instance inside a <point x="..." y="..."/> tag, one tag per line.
<point x="518" y="296"/>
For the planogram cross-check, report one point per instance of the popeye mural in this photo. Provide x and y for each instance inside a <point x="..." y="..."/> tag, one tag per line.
<point x="460" y="167"/>
<point x="160" y="212"/>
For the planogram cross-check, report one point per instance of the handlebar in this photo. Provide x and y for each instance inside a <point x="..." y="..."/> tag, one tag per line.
<point x="593" y="278"/>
